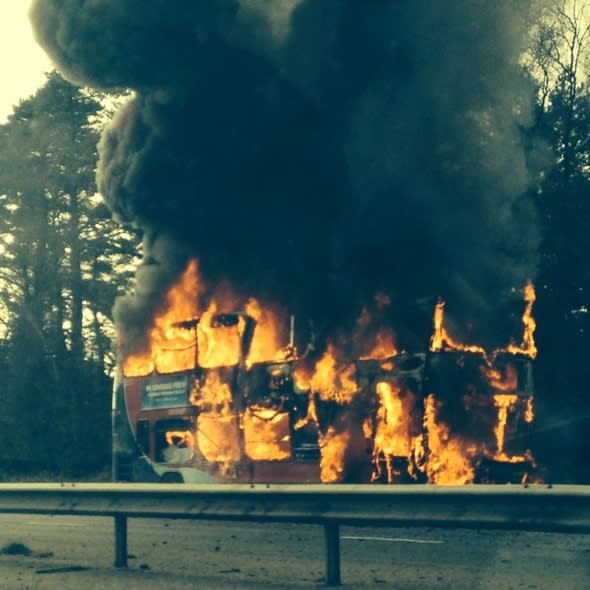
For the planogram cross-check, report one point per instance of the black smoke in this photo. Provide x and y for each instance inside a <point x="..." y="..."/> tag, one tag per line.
<point x="315" y="152"/>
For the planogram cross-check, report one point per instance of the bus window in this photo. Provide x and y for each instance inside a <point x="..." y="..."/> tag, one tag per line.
<point x="174" y="439"/>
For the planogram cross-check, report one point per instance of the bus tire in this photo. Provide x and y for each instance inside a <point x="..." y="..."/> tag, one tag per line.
<point x="172" y="477"/>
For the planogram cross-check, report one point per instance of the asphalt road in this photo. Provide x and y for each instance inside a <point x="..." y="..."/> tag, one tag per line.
<point x="77" y="553"/>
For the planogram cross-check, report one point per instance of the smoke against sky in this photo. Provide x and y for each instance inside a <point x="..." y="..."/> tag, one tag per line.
<point x="314" y="152"/>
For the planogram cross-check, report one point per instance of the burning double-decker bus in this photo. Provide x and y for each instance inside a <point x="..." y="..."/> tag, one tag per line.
<point x="215" y="397"/>
<point x="308" y="175"/>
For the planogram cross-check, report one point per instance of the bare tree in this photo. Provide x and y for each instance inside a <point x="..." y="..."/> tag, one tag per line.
<point x="558" y="60"/>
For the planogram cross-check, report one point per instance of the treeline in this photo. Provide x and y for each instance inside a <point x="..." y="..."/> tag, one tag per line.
<point x="558" y="66"/>
<point x="64" y="260"/>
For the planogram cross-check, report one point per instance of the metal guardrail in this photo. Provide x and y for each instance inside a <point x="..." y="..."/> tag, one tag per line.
<point x="559" y="508"/>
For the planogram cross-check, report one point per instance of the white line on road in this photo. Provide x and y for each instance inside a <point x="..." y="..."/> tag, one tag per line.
<point x="55" y="523"/>
<point x="394" y="540"/>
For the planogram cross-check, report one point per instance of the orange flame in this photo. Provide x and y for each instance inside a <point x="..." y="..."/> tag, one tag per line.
<point x="334" y="382"/>
<point x="333" y="445"/>
<point x="330" y="382"/>
<point x="504" y="402"/>
<point x="372" y="339"/>
<point x="384" y="346"/>
<point x="311" y="416"/>
<point x="180" y="448"/>
<point x="449" y="459"/>
<point x="219" y="346"/>
<point x="300" y="378"/>
<point x="442" y="340"/>
<point x="171" y="347"/>
<point x="180" y="437"/>
<point x="529" y="414"/>
<point x="267" y="342"/>
<point x="178" y="331"/>
<point x="500" y="382"/>
<point x="217" y="424"/>
<point x="267" y="434"/>
<point x="528" y="346"/>
<point x="392" y="436"/>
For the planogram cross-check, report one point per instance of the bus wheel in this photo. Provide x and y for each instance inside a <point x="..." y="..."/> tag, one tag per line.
<point x="172" y="477"/>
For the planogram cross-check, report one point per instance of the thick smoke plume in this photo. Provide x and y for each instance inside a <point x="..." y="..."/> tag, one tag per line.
<point x="315" y="152"/>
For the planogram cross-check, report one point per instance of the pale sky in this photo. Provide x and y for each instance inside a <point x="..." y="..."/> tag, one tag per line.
<point x="22" y="61"/>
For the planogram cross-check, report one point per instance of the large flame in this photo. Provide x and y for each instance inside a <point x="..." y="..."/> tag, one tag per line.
<point x="393" y="435"/>
<point x="449" y="459"/>
<point x="182" y="336"/>
<point x="267" y="343"/>
<point x="441" y="340"/>
<point x="266" y="434"/>
<point x="504" y="403"/>
<point x="219" y="346"/>
<point x="528" y="346"/>
<point x="333" y="445"/>
<point x="332" y="380"/>
<point x="503" y="380"/>
<point x="217" y="423"/>
<point x="172" y="340"/>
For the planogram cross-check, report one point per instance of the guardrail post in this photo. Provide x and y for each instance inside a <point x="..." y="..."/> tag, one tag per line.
<point x="120" y="540"/>
<point x="332" y="534"/>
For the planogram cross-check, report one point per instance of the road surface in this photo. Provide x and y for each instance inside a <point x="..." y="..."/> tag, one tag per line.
<point x="76" y="553"/>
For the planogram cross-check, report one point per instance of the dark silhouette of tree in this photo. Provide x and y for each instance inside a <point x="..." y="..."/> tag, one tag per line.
<point x="558" y="61"/>
<point x="59" y="251"/>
